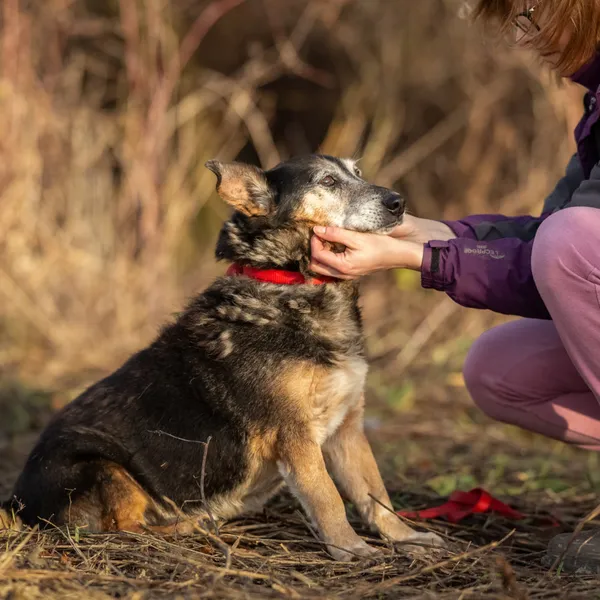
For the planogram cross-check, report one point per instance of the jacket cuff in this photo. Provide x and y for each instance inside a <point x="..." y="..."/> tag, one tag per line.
<point x="431" y="271"/>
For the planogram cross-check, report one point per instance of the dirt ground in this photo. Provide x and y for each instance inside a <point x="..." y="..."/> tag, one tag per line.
<point x="429" y="440"/>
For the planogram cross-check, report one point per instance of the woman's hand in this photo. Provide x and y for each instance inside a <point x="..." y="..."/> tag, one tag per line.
<point x="414" y="229"/>
<point x="369" y="252"/>
<point x="364" y="253"/>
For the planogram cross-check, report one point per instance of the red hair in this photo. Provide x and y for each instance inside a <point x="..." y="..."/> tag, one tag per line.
<point x="581" y="18"/>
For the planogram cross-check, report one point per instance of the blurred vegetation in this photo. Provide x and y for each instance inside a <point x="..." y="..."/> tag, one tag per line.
<point x="109" y="109"/>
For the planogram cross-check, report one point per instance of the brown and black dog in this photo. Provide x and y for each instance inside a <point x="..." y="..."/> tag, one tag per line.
<point x="272" y="374"/>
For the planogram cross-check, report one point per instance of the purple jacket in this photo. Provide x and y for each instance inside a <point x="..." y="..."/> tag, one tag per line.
<point x="488" y="264"/>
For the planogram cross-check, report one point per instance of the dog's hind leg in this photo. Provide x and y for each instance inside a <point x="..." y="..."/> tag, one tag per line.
<point x="114" y="502"/>
<point x="351" y="461"/>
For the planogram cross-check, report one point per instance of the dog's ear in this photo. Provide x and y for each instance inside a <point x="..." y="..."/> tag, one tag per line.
<point x="245" y="187"/>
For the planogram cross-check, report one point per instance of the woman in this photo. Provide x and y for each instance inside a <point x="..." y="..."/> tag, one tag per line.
<point x="541" y="372"/>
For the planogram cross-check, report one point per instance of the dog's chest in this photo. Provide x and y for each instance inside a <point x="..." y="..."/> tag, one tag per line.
<point x="335" y="394"/>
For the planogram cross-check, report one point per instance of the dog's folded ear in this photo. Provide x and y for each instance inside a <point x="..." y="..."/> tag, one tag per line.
<point x="245" y="187"/>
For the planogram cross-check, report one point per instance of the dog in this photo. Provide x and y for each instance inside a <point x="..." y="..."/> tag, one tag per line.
<point x="257" y="383"/>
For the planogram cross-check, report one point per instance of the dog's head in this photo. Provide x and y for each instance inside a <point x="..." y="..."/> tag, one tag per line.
<point x="276" y="210"/>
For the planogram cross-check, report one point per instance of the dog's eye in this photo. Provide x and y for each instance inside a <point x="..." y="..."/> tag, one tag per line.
<point x="328" y="181"/>
<point x="357" y="172"/>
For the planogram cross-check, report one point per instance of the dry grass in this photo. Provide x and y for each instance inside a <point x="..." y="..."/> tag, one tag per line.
<point x="108" y="111"/>
<point x="272" y="557"/>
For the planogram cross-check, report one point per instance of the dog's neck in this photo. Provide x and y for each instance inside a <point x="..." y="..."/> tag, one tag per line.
<point x="257" y="243"/>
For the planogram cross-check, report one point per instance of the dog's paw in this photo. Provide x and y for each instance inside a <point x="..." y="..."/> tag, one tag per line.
<point x="423" y="542"/>
<point x="357" y="551"/>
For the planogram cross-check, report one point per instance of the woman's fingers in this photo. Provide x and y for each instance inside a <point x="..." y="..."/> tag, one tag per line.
<point x="337" y="234"/>
<point x="322" y="254"/>
<point x="322" y="269"/>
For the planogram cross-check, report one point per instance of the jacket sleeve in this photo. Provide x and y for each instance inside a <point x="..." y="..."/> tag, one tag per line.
<point x="495" y="275"/>
<point x="493" y="227"/>
<point x="488" y="264"/>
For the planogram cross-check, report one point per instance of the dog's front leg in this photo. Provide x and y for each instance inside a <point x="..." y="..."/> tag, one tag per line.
<point x="302" y="466"/>
<point x="351" y="461"/>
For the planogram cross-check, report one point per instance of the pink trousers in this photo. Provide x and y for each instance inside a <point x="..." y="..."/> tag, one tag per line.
<point x="544" y="376"/>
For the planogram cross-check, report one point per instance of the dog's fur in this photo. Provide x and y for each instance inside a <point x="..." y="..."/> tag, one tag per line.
<point x="272" y="374"/>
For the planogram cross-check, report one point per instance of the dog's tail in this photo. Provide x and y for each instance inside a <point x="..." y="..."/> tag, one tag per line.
<point x="9" y="519"/>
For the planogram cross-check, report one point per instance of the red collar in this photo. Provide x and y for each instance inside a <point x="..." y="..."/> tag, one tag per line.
<point x="278" y="276"/>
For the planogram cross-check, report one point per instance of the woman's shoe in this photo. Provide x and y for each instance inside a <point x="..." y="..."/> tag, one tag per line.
<point x="582" y="555"/>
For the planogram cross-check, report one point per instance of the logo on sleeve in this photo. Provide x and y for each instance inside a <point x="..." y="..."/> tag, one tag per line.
<point x="484" y="250"/>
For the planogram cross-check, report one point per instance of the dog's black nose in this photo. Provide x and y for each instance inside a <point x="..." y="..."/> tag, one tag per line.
<point x="394" y="203"/>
